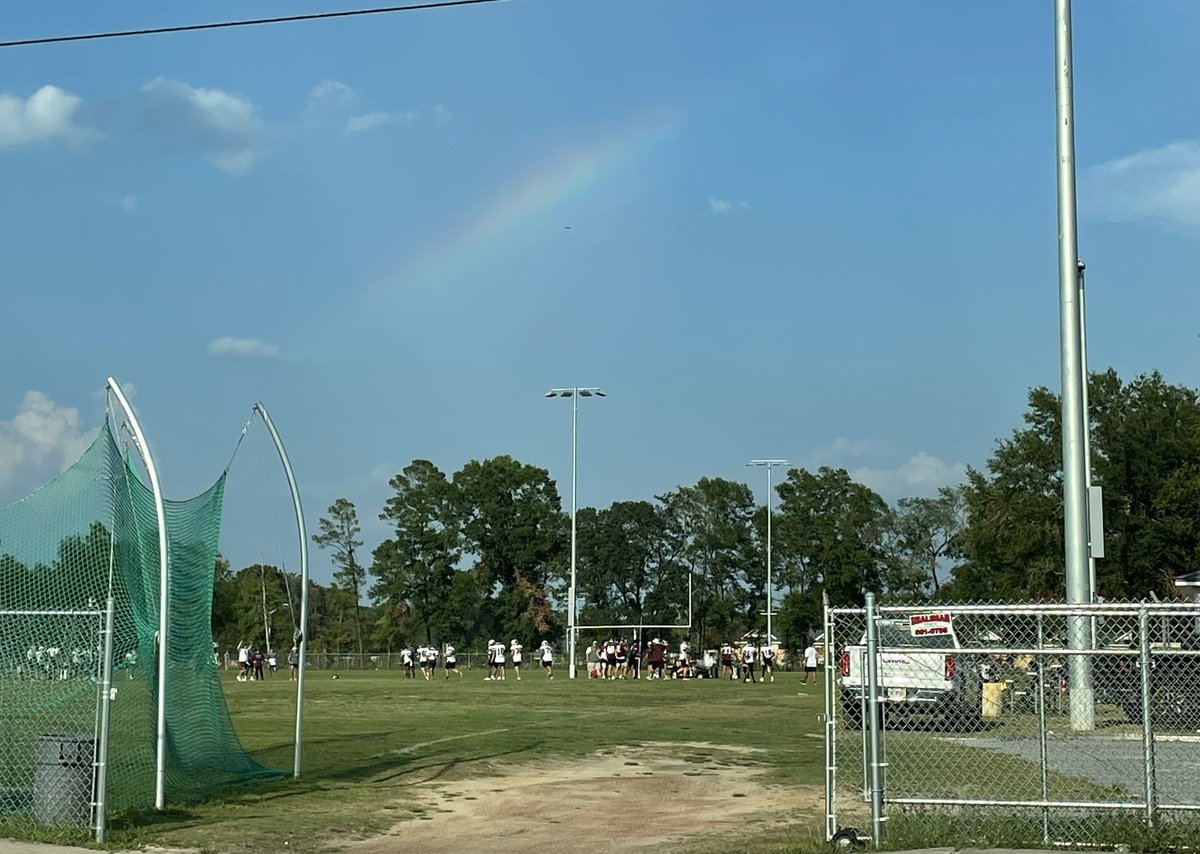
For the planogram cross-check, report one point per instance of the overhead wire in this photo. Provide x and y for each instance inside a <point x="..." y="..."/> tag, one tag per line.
<point x="249" y="22"/>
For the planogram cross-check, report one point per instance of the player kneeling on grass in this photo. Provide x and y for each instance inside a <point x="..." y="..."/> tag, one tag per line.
<point x="451" y="662"/>
<point x="516" y="649"/>
<point x="547" y="656"/>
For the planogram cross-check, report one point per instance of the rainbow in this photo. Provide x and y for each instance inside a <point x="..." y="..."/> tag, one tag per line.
<point x="534" y="199"/>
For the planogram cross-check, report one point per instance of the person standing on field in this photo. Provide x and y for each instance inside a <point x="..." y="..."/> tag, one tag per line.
<point x="406" y="658"/>
<point x="727" y="660"/>
<point x="766" y="655"/>
<point x="294" y="663"/>
<point x="547" y="656"/>
<point x="810" y="663"/>
<point x="452" y="662"/>
<point x="498" y="650"/>
<point x="748" y="655"/>
<point x="515" y="649"/>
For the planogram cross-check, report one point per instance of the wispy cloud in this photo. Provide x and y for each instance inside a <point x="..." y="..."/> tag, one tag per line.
<point x="41" y="435"/>
<point x="376" y="120"/>
<point x="224" y="126"/>
<point x="250" y="348"/>
<point x="48" y="114"/>
<point x="919" y="476"/>
<point x="724" y="206"/>
<point x="1156" y="184"/>
<point x="130" y="202"/>
<point x="441" y="115"/>
<point x="327" y="99"/>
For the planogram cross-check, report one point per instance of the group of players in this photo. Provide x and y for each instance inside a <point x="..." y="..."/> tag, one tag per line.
<point x="498" y="656"/>
<point x="616" y="658"/>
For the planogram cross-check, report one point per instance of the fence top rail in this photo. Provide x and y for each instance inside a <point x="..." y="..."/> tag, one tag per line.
<point x="1154" y="609"/>
<point x="51" y="613"/>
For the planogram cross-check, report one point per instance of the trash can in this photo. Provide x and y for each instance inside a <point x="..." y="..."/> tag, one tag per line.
<point x="62" y="779"/>
<point x="993" y="698"/>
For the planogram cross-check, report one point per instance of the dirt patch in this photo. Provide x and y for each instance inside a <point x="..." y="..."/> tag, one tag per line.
<point x="630" y="799"/>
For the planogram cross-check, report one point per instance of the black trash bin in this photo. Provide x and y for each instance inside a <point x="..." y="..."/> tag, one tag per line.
<point x="62" y="780"/>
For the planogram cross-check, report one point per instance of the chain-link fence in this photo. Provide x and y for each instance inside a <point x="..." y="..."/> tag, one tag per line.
<point x="1019" y="724"/>
<point x="55" y="688"/>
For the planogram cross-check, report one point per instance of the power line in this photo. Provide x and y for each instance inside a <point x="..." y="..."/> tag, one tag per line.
<point x="224" y="25"/>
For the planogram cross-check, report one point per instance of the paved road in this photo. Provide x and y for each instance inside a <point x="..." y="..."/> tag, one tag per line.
<point x="1113" y="760"/>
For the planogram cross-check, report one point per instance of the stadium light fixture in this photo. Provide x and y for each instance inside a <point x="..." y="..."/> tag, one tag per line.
<point x="575" y="392"/>
<point x="769" y="464"/>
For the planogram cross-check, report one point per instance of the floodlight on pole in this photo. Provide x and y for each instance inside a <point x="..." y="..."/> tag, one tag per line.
<point x="768" y="465"/>
<point x="575" y="392"/>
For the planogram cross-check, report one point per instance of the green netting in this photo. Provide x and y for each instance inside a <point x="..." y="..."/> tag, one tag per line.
<point x="88" y="534"/>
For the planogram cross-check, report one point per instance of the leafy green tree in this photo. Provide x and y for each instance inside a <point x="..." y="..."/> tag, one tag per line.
<point x="416" y="567"/>
<point x="339" y="532"/>
<point x="1145" y="441"/>
<point x="515" y="531"/>
<point x="830" y="537"/>
<point x="628" y="564"/>
<point x="922" y="534"/>
<point x="713" y="523"/>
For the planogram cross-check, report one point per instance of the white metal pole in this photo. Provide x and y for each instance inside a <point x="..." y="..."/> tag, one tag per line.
<point x="301" y="646"/>
<point x="1073" y="417"/>
<point x="770" y="590"/>
<point x="574" y="472"/>
<point x="139" y="438"/>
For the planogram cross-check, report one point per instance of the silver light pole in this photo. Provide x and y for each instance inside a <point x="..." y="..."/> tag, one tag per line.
<point x="769" y="464"/>
<point x="575" y="392"/>
<point x="1073" y="416"/>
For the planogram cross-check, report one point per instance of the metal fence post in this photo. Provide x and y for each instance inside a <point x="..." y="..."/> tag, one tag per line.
<point x="1144" y="664"/>
<point x="1042" y="746"/>
<point x="872" y="726"/>
<point x="101" y="779"/>
<point x="864" y="740"/>
<point x="830" y="726"/>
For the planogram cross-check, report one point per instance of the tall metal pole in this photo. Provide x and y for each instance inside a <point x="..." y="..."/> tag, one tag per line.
<point x="769" y="464"/>
<point x="143" y="448"/>
<point x="770" y="589"/>
<point x="574" y="471"/>
<point x="1073" y="416"/>
<point x="300" y="529"/>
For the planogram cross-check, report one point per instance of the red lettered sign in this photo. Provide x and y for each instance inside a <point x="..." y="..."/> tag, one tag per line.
<point x="925" y="625"/>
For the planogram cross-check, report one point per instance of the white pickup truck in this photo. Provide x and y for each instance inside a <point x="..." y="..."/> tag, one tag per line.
<point x="920" y="675"/>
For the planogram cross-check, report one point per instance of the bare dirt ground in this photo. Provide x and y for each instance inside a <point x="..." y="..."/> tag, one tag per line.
<point x="633" y="799"/>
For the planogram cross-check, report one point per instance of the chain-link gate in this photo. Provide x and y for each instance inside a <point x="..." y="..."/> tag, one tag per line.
<point x="55" y="689"/>
<point x="1019" y="724"/>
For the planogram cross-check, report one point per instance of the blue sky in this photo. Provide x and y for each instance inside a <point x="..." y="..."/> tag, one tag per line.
<point x="822" y="232"/>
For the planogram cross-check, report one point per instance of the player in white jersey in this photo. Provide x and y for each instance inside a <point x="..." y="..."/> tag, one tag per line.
<point x="452" y="662"/>
<point x="515" y="649"/>
<point x="749" y="652"/>
<point x="406" y="658"/>
<point x="547" y="656"/>
<point x="431" y="657"/>
<point x="498" y="651"/>
<point x="766" y="655"/>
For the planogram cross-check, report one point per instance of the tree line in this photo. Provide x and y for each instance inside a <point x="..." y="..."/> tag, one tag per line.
<point x="485" y="552"/>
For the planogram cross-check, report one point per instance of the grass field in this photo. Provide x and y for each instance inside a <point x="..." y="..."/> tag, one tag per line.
<point x="380" y="750"/>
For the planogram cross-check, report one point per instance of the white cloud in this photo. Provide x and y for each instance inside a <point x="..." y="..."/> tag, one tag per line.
<point x="723" y="206"/>
<point x="225" y="127"/>
<point x="1157" y="183"/>
<point x="328" y="98"/>
<point x="441" y="115"/>
<point x="250" y="348"/>
<point x="41" y="434"/>
<point x="129" y="202"/>
<point x="919" y="476"/>
<point x="47" y="114"/>
<point x="376" y="120"/>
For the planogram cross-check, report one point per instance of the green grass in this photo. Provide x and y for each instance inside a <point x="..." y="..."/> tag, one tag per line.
<point x="370" y="737"/>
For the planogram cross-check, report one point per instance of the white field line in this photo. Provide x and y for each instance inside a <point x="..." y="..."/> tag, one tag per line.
<point x="413" y="747"/>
